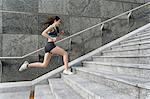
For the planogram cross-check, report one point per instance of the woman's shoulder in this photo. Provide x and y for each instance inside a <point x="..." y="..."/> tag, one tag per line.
<point x="51" y="27"/>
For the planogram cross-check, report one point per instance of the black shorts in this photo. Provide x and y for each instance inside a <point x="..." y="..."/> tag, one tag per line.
<point x="49" y="46"/>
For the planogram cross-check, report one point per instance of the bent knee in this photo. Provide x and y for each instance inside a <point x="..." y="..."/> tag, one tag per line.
<point x="65" y="53"/>
<point x="44" y="65"/>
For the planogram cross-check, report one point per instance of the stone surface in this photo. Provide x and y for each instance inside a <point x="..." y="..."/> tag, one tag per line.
<point x="15" y="95"/>
<point x="98" y="8"/>
<point x="11" y="73"/>
<point x="81" y="44"/>
<point x="1" y="45"/>
<point x="92" y="44"/>
<point x="43" y="92"/>
<point x="106" y="78"/>
<point x="19" y="24"/>
<point x="62" y="92"/>
<point x="124" y="59"/>
<point x="79" y="23"/>
<point x="129" y="1"/>
<point x="21" y="5"/>
<point x="0" y="4"/>
<point x="117" y="28"/>
<point x="116" y="8"/>
<point x="142" y="1"/>
<point x="84" y="8"/>
<point x="1" y="23"/>
<point x="121" y="69"/>
<point x="142" y="12"/>
<point x="53" y="6"/>
<point x="0" y="71"/>
<point x="92" y="90"/>
<point x="19" y="44"/>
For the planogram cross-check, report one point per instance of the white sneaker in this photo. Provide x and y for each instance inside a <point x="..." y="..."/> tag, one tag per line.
<point x="67" y="72"/>
<point x="24" y="66"/>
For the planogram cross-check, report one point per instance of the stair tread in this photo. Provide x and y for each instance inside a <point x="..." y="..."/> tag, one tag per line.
<point x="144" y="46"/>
<point x="146" y="31"/>
<point x="63" y="90"/>
<point x="136" y="39"/>
<point x="138" y="36"/>
<point x="96" y="89"/>
<point x="123" y="56"/>
<point x="123" y="78"/>
<point x="15" y="95"/>
<point x="123" y="50"/>
<point x="143" y="66"/>
<point x="131" y="44"/>
<point x="43" y="92"/>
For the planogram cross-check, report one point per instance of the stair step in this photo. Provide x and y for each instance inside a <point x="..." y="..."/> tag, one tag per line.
<point x="134" y="43"/>
<point x="130" y="44"/>
<point x="125" y="65"/>
<point x="130" y="51"/>
<point x="138" y="36"/>
<point x="136" y="70"/>
<point x="15" y="95"/>
<point x="134" y="59"/>
<point x="61" y="90"/>
<point x="132" y="81"/>
<point x="123" y="52"/>
<point x="146" y="31"/>
<point x="93" y="90"/>
<point x="136" y="46"/>
<point x="43" y="92"/>
<point x="147" y="38"/>
<point x="125" y="84"/>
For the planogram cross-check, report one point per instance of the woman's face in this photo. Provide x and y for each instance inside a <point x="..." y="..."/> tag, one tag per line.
<point x="57" y="23"/>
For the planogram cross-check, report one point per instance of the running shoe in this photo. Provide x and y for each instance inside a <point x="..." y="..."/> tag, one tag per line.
<point x="24" y="66"/>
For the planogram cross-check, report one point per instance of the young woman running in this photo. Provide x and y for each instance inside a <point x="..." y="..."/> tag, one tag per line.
<point x="51" y="33"/>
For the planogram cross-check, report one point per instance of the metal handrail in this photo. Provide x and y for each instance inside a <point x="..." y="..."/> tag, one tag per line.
<point x="127" y="12"/>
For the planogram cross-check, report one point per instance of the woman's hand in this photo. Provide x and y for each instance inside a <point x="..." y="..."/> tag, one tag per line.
<point x="56" y="39"/>
<point x="62" y="32"/>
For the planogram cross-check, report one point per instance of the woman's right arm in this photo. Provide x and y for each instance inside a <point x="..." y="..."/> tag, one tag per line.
<point x="45" y="32"/>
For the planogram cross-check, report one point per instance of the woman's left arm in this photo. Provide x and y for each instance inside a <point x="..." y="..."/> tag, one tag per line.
<point x="60" y="33"/>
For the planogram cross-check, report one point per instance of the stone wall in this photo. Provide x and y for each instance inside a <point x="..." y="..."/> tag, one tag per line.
<point x="20" y="33"/>
<point x="0" y="28"/>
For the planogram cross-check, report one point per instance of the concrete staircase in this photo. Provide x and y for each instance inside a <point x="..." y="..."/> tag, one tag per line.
<point x="120" y="72"/>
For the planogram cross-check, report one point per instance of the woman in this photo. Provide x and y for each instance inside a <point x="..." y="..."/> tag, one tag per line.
<point x="51" y="33"/>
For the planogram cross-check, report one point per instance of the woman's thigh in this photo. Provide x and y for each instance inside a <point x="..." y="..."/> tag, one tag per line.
<point x="58" y="50"/>
<point x="47" y="58"/>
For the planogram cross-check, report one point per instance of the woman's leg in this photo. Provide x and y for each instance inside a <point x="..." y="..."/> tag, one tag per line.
<point x="62" y="52"/>
<point x="45" y="63"/>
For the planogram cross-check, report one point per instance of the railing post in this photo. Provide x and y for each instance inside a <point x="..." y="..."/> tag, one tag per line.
<point x="69" y="45"/>
<point x="101" y="29"/>
<point x="128" y="17"/>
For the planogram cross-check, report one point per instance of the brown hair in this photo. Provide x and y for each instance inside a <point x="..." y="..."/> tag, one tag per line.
<point x="50" y="21"/>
